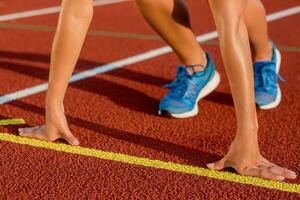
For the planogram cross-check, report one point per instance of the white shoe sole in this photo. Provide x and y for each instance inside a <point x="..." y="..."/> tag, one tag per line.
<point x="207" y="89"/>
<point x="277" y="101"/>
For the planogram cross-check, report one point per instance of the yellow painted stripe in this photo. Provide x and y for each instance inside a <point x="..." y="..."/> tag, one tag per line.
<point x="145" y="162"/>
<point x="4" y="122"/>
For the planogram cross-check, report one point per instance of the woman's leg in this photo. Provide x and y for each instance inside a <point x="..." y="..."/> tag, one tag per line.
<point x="266" y="57"/>
<point x="170" y="19"/>
<point x="258" y="30"/>
<point x="73" y="24"/>
<point x="244" y="154"/>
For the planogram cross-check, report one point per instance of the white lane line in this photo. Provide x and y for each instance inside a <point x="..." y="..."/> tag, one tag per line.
<point x="284" y="13"/>
<point x="130" y="60"/>
<point x="50" y="10"/>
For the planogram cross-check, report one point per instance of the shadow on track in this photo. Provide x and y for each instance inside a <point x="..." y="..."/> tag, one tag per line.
<point x="120" y="94"/>
<point x="192" y="156"/>
<point x="99" y="86"/>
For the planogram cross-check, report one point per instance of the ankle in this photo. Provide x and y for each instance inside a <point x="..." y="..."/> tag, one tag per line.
<point x="194" y="68"/>
<point x="246" y="131"/>
<point x="263" y="54"/>
<point x="196" y="65"/>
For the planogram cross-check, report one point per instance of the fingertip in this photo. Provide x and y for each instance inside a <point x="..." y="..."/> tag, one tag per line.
<point x="292" y="173"/>
<point x="211" y="165"/>
<point x="21" y="133"/>
<point x="292" y="176"/>
<point x="280" y="178"/>
<point x="71" y="139"/>
<point x="75" y="142"/>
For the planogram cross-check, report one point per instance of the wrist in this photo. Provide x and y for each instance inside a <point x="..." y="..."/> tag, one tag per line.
<point x="247" y="134"/>
<point x="248" y="128"/>
<point x="54" y="105"/>
<point x="246" y="143"/>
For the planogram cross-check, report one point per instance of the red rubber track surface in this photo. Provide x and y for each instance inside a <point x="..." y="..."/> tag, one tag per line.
<point x="8" y="7"/>
<point x="116" y="112"/>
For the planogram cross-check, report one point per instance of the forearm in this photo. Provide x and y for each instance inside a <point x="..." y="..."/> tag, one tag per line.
<point x="72" y="27"/>
<point x="235" y="50"/>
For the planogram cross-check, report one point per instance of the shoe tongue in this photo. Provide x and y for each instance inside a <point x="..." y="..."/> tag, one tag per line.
<point x="182" y="70"/>
<point x="259" y="62"/>
<point x="262" y="63"/>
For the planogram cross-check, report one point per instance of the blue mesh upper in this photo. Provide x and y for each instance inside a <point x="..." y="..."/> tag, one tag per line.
<point x="266" y="80"/>
<point x="185" y="89"/>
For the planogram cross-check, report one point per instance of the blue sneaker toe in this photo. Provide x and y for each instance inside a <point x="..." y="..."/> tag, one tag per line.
<point x="175" y="106"/>
<point x="264" y="98"/>
<point x="186" y="90"/>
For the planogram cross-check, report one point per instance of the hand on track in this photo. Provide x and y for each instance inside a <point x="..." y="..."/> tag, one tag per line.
<point x="56" y="127"/>
<point x="247" y="160"/>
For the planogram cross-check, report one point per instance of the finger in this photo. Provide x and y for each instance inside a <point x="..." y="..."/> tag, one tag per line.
<point x="219" y="165"/>
<point x="289" y="174"/>
<point x="25" y="130"/>
<point x="71" y="139"/>
<point x="262" y="173"/>
<point x="282" y="172"/>
<point x="35" y="135"/>
<point x="29" y="129"/>
<point x="277" y="170"/>
<point x="36" y="128"/>
<point x="22" y="130"/>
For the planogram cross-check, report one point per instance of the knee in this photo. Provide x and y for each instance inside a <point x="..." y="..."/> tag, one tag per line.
<point x="145" y="2"/>
<point x="158" y="5"/>
<point x="228" y="13"/>
<point x="82" y="9"/>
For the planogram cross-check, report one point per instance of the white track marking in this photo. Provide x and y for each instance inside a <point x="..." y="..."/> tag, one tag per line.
<point x="101" y="69"/>
<point x="130" y="60"/>
<point x="50" y="10"/>
<point x="284" y="13"/>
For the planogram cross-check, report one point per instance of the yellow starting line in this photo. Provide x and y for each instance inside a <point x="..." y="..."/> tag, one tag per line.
<point x="157" y="164"/>
<point x="5" y="122"/>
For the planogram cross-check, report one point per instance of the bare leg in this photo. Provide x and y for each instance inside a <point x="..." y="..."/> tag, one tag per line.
<point x="170" y="19"/>
<point x="73" y="24"/>
<point x="258" y="30"/>
<point x="244" y="154"/>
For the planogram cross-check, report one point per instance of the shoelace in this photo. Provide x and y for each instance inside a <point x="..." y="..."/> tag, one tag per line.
<point x="179" y="86"/>
<point x="265" y="77"/>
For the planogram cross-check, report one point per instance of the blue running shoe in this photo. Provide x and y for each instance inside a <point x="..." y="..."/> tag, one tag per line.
<point x="267" y="90"/>
<point x="185" y="92"/>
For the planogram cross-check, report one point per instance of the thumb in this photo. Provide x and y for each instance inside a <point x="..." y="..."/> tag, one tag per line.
<point x="71" y="139"/>
<point x="219" y="165"/>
